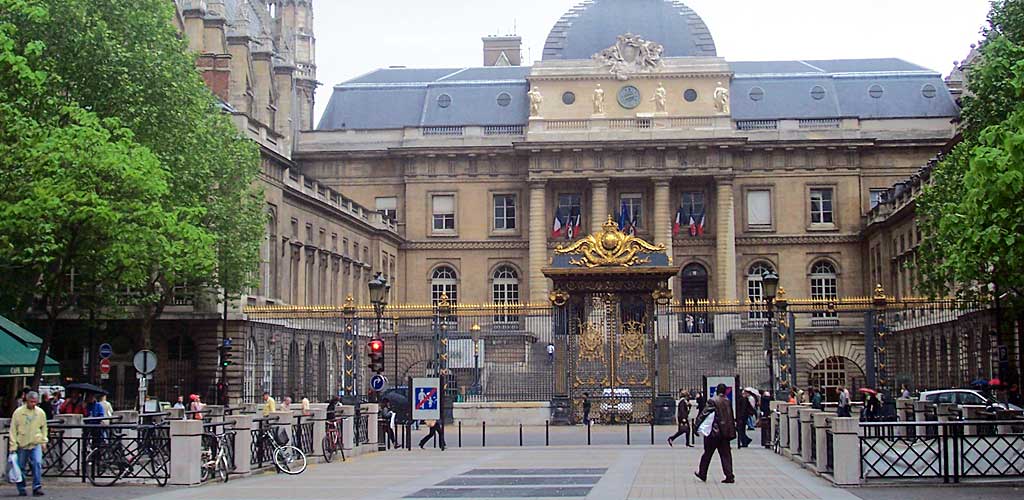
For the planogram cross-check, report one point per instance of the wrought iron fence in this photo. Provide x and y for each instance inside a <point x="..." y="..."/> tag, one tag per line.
<point x="302" y="433"/>
<point x="956" y="450"/>
<point x="362" y="434"/>
<point x="140" y="452"/>
<point x="261" y="450"/>
<point x="830" y="460"/>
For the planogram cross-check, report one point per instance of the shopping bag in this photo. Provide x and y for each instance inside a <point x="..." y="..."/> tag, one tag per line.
<point x="13" y="469"/>
<point x="705" y="427"/>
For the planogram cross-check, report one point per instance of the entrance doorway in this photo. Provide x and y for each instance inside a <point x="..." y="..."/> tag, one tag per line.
<point x="835" y="372"/>
<point x="693" y="283"/>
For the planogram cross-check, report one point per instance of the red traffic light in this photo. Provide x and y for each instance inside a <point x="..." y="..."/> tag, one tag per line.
<point x="376" y="346"/>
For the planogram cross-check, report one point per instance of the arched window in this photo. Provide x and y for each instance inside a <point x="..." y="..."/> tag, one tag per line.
<point x="249" y="380"/>
<point x="755" y="288"/>
<point x="309" y="379"/>
<point x="268" y="370"/>
<point x="824" y="285"/>
<point x="294" y="382"/>
<point x="835" y="372"/>
<point x="444" y="281"/>
<point x="505" y="290"/>
<point x="324" y="374"/>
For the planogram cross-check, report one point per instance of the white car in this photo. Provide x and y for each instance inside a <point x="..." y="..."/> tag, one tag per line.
<point x="963" y="397"/>
<point x="622" y="405"/>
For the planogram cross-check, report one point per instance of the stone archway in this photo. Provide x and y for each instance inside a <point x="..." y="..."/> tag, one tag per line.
<point x="834" y="372"/>
<point x="693" y="282"/>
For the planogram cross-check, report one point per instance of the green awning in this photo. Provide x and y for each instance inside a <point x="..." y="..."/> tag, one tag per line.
<point x="19" y="349"/>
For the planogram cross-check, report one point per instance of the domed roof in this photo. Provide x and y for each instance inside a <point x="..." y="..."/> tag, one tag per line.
<point x="593" y="26"/>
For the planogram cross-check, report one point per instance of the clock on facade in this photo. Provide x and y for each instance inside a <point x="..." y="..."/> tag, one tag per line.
<point x="629" y="97"/>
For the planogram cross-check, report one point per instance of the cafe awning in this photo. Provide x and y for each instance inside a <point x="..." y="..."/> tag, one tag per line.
<point x="19" y="349"/>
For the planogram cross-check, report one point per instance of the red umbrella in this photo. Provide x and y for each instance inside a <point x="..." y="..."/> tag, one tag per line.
<point x="865" y="390"/>
<point x="995" y="382"/>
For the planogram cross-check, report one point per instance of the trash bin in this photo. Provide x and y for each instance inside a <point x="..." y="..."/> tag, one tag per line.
<point x="561" y="410"/>
<point x="664" y="410"/>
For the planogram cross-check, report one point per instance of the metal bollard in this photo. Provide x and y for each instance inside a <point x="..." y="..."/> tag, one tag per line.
<point x="652" y="432"/>
<point x="483" y="434"/>
<point x="460" y="434"/>
<point x="547" y="433"/>
<point x="627" y="433"/>
<point x="520" y="434"/>
<point x="588" y="433"/>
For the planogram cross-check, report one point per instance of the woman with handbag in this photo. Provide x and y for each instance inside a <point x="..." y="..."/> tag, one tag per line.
<point x="683" y="419"/>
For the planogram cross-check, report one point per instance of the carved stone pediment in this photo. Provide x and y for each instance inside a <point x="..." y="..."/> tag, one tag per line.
<point x="629" y="55"/>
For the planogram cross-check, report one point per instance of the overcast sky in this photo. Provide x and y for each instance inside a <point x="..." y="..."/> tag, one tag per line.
<point x="357" y="36"/>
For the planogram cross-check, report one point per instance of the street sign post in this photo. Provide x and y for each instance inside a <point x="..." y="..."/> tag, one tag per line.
<point x="426" y="398"/>
<point x="145" y="364"/>
<point x="378" y="382"/>
<point x="106" y="350"/>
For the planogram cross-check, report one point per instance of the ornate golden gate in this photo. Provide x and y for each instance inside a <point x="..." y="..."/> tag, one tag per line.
<point x="606" y="286"/>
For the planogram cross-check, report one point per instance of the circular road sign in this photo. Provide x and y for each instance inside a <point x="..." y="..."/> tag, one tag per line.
<point x="106" y="350"/>
<point x="378" y="382"/>
<point x="145" y="362"/>
<point x="105" y="365"/>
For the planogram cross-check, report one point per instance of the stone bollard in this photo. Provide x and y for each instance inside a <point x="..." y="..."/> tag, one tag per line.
<point x="793" y="418"/>
<point x="921" y="411"/>
<point x="348" y="426"/>
<point x="944" y="414"/>
<point x="175" y="413"/>
<point x="904" y="413"/>
<point x="806" y="416"/>
<point x="214" y="412"/>
<point x="782" y="421"/>
<point x="972" y="413"/>
<point x="186" y="452"/>
<point x="845" y="451"/>
<point x="372" y="430"/>
<point x="822" y="423"/>
<point x="319" y="419"/>
<point x="855" y="411"/>
<point x="242" y="428"/>
<point x="284" y="423"/>
<point x="128" y="417"/>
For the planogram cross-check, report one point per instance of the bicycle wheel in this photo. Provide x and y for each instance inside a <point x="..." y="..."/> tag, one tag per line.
<point x="290" y="460"/>
<point x="222" y="467"/>
<point x="328" y="447"/>
<point x="104" y="467"/>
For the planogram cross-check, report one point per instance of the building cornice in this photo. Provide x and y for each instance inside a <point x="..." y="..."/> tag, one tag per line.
<point x="466" y="245"/>
<point x="799" y="239"/>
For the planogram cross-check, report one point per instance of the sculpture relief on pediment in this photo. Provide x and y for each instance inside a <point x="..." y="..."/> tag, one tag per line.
<point x="629" y="55"/>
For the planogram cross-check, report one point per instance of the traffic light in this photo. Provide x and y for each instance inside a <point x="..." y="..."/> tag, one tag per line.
<point x="376" y="348"/>
<point x="225" y="353"/>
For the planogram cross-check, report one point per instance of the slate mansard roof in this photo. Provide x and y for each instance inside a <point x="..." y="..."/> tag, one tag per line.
<point x="760" y="90"/>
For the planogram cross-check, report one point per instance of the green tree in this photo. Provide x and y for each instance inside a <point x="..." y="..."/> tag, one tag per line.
<point x="77" y="193"/>
<point x="971" y="214"/>
<point x="126" y="60"/>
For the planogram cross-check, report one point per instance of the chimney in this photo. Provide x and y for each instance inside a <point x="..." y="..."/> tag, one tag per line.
<point x="503" y="50"/>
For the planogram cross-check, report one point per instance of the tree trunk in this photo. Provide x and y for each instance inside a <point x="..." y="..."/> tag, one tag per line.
<point x="37" y="375"/>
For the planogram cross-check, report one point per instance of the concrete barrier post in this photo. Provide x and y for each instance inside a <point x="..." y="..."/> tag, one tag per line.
<point x="175" y="413"/>
<point x="944" y="414"/>
<point x="783" y="423"/>
<point x="242" y="426"/>
<point x="319" y="419"/>
<point x="128" y="417"/>
<point x="822" y="422"/>
<point x="186" y="452"/>
<point x="806" y="416"/>
<point x="372" y="429"/>
<point x="214" y="412"/>
<point x="348" y="426"/>
<point x="793" y="417"/>
<point x="920" y="411"/>
<point x="845" y="451"/>
<point x="284" y="422"/>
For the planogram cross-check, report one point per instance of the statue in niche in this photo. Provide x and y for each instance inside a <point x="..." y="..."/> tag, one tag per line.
<point x="660" y="94"/>
<point x="722" y="99"/>
<point x="598" y="100"/>
<point x="535" y="101"/>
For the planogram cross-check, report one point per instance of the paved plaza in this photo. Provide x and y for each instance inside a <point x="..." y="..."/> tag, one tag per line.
<point x="609" y="471"/>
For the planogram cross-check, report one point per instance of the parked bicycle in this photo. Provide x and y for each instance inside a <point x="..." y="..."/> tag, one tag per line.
<point x="287" y="458"/>
<point x="216" y="458"/>
<point x="332" y="442"/>
<point x="112" y="461"/>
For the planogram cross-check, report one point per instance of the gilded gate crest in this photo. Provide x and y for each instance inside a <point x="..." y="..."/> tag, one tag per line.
<point x="632" y="341"/>
<point x="610" y="247"/>
<point x="591" y="342"/>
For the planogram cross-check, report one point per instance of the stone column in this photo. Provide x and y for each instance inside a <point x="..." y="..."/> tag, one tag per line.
<point x="920" y="410"/>
<point x="822" y="423"/>
<point x="806" y="416"/>
<point x="538" y="242"/>
<point x="599" y="204"/>
<point x="845" y="451"/>
<point x="242" y="426"/>
<point x="661" y="225"/>
<point x="319" y="419"/>
<point x="725" y="238"/>
<point x="348" y="431"/>
<point x="186" y="452"/>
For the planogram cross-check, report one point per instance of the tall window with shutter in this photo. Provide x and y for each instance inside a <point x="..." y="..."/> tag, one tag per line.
<point x="443" y="213"/>
<point x="759" y="209"/>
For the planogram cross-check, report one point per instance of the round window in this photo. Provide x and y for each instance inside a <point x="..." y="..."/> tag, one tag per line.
<point x="629" y="97"/>
<point x="876" y="91"/>
<point x="928" y="91"/>
<point x="817" y="92"/>
<point x="504" y="99"/>
<point x="690" y="95"/>
<point x="568" y="98"/>
<point x="444" y="100"/>
<point x="756" y="94"/>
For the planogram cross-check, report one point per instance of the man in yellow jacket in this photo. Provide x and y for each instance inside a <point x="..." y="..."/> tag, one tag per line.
<point x="269" y="405"/>
<point x="28" y="439"/>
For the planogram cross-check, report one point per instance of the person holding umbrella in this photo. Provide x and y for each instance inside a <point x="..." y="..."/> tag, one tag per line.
<point x="872" y="406"/>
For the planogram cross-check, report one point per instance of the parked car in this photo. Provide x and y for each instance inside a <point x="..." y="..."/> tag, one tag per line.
<point x="964" y="397"/>
<point x="616" y="401"/>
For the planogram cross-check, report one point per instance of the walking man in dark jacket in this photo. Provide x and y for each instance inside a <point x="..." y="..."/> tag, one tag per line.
<point x="722" y="432"/>
<point x="683" y="419"/>
<point x="743" y="411"/>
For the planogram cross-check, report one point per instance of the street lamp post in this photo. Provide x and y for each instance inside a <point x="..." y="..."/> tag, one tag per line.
<point x="770" y="287"/>
<point x="379" y="288"/>
<point x="475" y="331"/>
